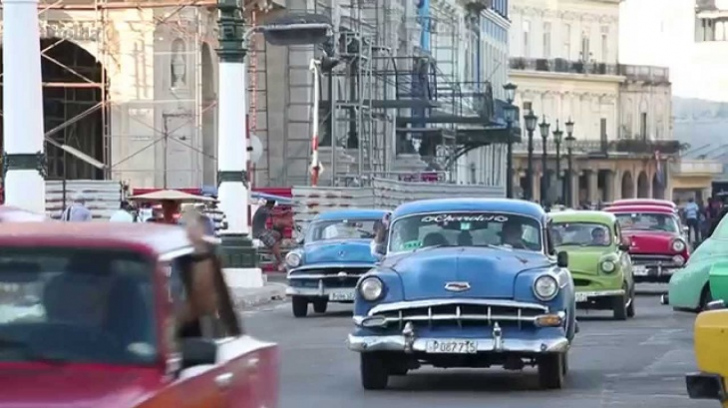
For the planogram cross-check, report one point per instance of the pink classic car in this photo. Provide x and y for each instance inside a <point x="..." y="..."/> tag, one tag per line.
<point x="109" y="315"/>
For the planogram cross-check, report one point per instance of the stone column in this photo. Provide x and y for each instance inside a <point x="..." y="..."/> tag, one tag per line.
<point x="24" y="158"/>
<point x="609" y="186"/>
<point x="593" y="186"/>
<point x="617" y="185"/>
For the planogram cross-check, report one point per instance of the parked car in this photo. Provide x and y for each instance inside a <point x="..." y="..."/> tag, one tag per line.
<point x="335" y="252"/>
<point x="465" y="282"/>
<point x="710" y="352"/>
<point x="689" y="288"/>
<point x="658" y="246"/>
<point x="120" y="322"/>
<point x="599" y="261"/>
<point x="631" y="202"/>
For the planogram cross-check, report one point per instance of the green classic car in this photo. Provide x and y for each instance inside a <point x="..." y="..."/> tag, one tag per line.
<point x="598" y="260"/>
<point x="690" y="288"/>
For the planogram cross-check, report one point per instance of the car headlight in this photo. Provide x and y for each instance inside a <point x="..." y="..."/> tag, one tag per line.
<point x="545" y="287"/>
<point x="678" y="260"/>
<point x="608" y="266"/>
<point x="678" y="245"/>
<point x="371" y="289"/>
<point x="293" y="259"/>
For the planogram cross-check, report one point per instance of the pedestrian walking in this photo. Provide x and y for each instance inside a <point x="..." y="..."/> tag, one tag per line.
<point x="692" y="220"/>
<point x="77" y="211"/>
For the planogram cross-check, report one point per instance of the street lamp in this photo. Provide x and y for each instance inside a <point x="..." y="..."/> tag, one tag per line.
<point x="544" y="128"/>
<point x="531" y="121"/>
<point x="558" y="135"/>
<point x="510" y="115"/>
<point x="569" y="154"/>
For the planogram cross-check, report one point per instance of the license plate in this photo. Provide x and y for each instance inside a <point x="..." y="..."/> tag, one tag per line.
<point x="451" y="347"/>
<point x="342" y="295"/>
<point x="639" y="270"/>
<point x="580" y="297"/>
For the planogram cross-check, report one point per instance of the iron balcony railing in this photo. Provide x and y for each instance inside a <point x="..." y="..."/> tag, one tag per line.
<point x="605" y="147"/>
<point x="561" y="65"/>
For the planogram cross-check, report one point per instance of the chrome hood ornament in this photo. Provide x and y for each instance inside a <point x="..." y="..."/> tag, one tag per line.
<point x="457" y="286"/>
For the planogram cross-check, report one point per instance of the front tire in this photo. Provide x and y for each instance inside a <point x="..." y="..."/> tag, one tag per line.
<point x="619" y="304"/>
<point x="299" y="304"/>
<point x="705" y="297"/>
<point x="374" y="372"/>
<point x="552" y="370"/>
<point x="320" y="305"/>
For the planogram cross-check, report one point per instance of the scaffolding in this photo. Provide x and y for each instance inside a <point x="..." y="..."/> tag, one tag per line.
<point x="132" y="85"/>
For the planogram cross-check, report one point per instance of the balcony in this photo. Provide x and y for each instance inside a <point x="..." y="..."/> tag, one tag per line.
<point x="477" y="6"/>
<point x="561" y="65"/>
<point x="645" y="73"/>
<point x="687" y="167"/>
<point x="602" y="148"/>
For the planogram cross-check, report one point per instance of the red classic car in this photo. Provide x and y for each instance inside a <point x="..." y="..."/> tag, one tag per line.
<point x="656" y="238"/>
<point x="631" y="202"/>
<point x="109" y="315"/>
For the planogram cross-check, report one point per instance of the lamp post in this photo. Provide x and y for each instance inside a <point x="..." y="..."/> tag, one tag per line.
<point x="531" y="121"/>
<point x="510" y="113"/>
<point x="544" y="128"/>
<point x="569" y="154"/>
<point x="24" y="157"/>
<point x="558" y="135"/>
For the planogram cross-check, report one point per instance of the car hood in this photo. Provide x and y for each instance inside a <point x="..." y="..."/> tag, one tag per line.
<point x="585" y="260"/>
<point x="490" y="272"/>
<point x="49" y="386"/>
<point x="344" y="251"/>
<point x="650" y="242"/>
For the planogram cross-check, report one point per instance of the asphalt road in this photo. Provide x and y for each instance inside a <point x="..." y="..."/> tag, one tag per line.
<point x="638" y="363"/>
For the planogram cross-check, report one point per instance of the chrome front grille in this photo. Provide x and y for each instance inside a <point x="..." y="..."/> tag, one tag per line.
<point x="460" y="312"/>
<point x="328" y="277"/>
<point x="652" y="259"/>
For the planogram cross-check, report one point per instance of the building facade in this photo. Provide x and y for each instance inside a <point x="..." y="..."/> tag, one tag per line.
<point x="565" y="61"/>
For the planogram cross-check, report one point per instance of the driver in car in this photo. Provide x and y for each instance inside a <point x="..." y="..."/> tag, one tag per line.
<point x="512" y="235"/>
<point x="599" y="236"/>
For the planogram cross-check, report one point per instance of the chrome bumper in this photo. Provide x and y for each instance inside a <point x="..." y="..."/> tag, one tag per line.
<point x="400" y="343"/>
<point x="585" y="296"/>
<point x="321" y="292"/>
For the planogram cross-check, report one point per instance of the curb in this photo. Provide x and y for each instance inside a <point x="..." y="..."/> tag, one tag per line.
<point x="251" y="297"/>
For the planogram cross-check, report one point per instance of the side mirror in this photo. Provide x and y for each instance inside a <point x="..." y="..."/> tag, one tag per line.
<point x="715" y="305"/>
<point x="198" y="351"/>
<point x="562" y="259"/>
<point x="623" y="247"/>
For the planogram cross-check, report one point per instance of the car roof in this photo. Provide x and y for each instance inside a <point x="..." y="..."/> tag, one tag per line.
<point x="643" y="201"/>
<point x="351" y="214"/>
<point x="584" y="216"/>
<point x="640" y="208"/>
<point x="154" y="239"/>
<point x="471" y="204"/>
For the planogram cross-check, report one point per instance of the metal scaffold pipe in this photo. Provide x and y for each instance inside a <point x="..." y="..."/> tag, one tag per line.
<point x="316" y="168"/>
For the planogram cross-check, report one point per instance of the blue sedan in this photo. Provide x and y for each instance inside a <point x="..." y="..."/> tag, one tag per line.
<point x="334" y="255"/>
<point x="465" y="283"/>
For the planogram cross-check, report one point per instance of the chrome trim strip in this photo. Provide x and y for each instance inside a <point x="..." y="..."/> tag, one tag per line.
<point x="395" y="306"/>
<point x="332" y="265"/>
<point x="397" y="343"/>
<point x="176" y="253"/>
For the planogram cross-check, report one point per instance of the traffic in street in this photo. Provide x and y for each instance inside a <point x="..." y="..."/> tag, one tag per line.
<point x="640" y="362"/>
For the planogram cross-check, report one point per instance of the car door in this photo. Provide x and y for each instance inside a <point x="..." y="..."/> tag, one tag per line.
<point x="251" y="371"/>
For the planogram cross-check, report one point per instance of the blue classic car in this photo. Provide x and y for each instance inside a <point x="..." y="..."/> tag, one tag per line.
<point x="465" y="283"/>
<point x="335" y="253"/>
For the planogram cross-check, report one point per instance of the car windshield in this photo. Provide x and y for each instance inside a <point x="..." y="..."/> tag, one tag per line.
<point x="465" y="229"/>
<point x="581" y="234"/>
<point x="326" y="230"/>
<point x="76" y="305"/>
<point x="648" y="221"/>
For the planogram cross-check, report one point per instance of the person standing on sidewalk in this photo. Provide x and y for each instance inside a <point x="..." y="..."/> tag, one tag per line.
<point x="77" y="211"/>
<point x="692" y="219"/>
<point x="271" y="238"/>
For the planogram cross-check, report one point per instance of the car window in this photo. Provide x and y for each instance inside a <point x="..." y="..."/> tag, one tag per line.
<point x="649" y="221"/>
<point x="341" y="229"/>
<point x="581" y="234"/>
<point x="465" y="229"/>
<point x="79" y="305"/>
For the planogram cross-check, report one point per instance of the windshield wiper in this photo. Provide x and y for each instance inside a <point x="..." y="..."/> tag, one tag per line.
<point x="29" y="352"/>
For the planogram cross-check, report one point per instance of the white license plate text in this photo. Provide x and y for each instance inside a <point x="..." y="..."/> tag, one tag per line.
<point x="451" y="347"/>
<point x="639" y="270"/>
<point x="342" y="295"/>
<point x="580" y="297"/>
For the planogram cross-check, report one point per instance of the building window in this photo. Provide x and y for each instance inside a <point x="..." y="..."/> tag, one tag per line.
<point x="605" y="44"/>
<point x="567" y="41"/>
<point x="547" y="40"/>
<point x="585" y="54"/>
<point x="643" y="125"/>
<point x="526" y="37"/>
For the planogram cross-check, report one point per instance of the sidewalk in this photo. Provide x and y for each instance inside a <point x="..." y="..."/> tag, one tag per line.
<point x="251" y="297"/>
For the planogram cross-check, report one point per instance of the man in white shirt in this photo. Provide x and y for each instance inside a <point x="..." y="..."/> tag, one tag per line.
<point x="123" y="214"/>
